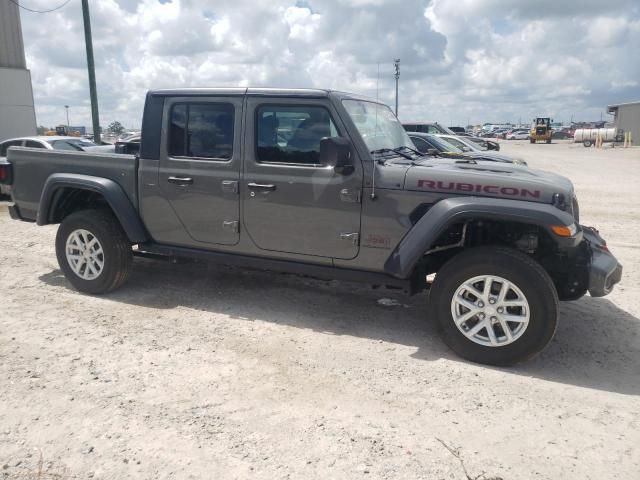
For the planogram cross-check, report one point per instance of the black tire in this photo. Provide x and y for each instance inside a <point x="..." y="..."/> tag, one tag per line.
<point x="117" y="255"/>
<point x="587" y="143"/>
<point x="517" y="268"/>
<point x="549" y="140"/>
<point x="532" y="140"/>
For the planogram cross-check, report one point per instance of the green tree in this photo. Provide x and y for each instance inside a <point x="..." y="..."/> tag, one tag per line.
<point x="115" y="127"/>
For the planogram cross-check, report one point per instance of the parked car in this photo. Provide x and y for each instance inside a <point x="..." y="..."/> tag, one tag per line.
<point x="74" y="144"/>
<point x="344" y="196"/>
<point x="441" y="146"/>
<point x="518" y="135"/>
<point x="561" y="134"/>
<point x="485" y="143"/>
<point x="468" y="146"/>
<point x="129" y="145"/>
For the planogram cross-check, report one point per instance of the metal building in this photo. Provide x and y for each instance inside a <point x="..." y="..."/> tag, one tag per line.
<point x="17" y="115"/>
<point x="627" y="118"/>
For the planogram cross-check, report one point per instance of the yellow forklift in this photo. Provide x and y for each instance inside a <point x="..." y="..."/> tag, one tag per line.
<point x="541" y="130"/>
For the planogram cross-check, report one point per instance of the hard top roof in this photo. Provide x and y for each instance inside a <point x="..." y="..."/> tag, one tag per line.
<point x="260" y="91"/>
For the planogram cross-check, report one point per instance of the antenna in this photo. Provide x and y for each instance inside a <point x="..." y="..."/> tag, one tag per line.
<point x="375" y="134"/>
<point x="396" y="64"/>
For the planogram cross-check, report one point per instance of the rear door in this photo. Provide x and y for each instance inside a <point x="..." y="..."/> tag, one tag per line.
<point x="200" y="166"/>
<point x="292" y="203"/>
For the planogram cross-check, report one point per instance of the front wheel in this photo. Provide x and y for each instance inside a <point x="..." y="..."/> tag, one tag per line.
<point x="93" y="251"/>
<point x="494" y="305"/>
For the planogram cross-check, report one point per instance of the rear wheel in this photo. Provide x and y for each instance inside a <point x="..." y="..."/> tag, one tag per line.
<point x="587" y="143"/>
<point x="93" y="251"/>
<point x="494" y="305"/>
<point x="532" y="140"/>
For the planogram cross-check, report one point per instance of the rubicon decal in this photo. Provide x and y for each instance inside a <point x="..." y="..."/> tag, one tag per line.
<point x="477" y="188"/>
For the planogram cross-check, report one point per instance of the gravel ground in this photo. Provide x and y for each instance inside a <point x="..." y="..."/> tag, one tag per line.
<point x="196" y="371"/>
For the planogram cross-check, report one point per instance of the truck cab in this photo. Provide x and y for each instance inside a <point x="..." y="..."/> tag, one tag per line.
<point x="242" y="170"/>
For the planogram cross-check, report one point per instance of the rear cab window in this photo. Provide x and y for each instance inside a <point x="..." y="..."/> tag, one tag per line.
<point x="5" y="146"/>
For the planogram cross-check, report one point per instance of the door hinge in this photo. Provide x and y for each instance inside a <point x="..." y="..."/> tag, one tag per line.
<point x="354" y="238"/>
<point x="230" y="225"/>
<point x="351" y="196"/>
<point x="230" y="186"/>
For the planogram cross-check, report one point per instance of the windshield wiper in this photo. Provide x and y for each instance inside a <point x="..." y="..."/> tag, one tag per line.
<point x="391" y="150"/>
<point x="412" y="150"/>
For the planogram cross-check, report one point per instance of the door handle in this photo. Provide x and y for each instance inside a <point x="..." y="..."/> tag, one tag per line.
<point x="262" y="187"/>
<point x="182" y="181"/>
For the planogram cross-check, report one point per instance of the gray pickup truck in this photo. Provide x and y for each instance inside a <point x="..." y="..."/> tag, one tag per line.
<point x="325" y="184"/>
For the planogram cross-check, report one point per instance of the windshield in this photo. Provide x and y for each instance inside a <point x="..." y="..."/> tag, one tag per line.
<point x="378" y="126"/>
<point x="461" y="144"/>
<point x="443" y="145"/>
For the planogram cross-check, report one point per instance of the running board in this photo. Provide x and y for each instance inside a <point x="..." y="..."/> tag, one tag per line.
<point x="158" y="251"/>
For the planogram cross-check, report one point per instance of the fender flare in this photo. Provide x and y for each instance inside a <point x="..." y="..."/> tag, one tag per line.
<point x="110" y="190"/>
<point x="453" y="210"/>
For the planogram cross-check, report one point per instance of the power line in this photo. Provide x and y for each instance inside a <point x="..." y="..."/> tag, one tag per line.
<point x="39" y="11"/>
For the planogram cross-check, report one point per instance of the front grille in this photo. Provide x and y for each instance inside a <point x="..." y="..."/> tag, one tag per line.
<point x="541" y="130"/>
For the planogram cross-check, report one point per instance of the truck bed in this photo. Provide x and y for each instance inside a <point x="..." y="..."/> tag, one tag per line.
<point x="33" y="166"/>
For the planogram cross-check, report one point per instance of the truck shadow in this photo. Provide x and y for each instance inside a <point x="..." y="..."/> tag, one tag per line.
<point x="596" y="345"/>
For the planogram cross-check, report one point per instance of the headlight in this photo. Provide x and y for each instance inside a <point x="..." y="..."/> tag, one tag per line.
<point x="559" y="201"/>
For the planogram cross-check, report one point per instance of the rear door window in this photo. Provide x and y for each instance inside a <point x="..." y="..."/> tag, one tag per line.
<point x="34" y="144"/>
<point x="201" y="130"/>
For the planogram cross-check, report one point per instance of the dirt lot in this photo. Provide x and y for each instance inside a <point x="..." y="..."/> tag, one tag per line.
<point x="195" y="371"/>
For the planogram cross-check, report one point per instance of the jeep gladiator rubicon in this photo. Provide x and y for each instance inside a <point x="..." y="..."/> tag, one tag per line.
<point x="325" y="184"/>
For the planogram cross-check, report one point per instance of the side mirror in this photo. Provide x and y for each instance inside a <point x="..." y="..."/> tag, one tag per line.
<point x="336" y="152"/>
<point x="433" y="152"/>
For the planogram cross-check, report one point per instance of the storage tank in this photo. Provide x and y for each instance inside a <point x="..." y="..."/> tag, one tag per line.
<point x="588" y="136"/>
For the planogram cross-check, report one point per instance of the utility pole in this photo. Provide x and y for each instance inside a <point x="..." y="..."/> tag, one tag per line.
<point x="95" y="117"/>
<point x="396" y="64"/>
<point x="67" y="109"/>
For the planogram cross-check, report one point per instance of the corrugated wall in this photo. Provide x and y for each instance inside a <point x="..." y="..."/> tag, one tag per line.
<point x="11" y="44"/>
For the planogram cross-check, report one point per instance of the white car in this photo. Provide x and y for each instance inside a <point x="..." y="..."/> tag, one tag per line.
<point x="518" y="135"/>
<point x="74" y="144"/>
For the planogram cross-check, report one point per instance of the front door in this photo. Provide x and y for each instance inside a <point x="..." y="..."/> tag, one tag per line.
<point x="200" y="169"/>
<point x="292" y="203"/>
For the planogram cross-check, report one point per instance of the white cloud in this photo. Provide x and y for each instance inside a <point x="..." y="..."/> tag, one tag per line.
<point x="461" y="59"/>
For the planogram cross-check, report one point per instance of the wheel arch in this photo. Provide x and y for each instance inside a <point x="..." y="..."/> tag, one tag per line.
<point x="65" y="193"/>
<point x="460" y="210"/>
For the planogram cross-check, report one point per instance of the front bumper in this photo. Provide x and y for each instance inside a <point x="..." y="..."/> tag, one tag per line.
<point x="604" y="270"/>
